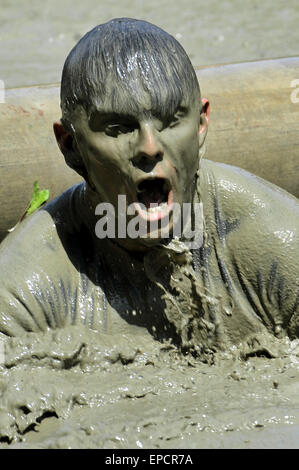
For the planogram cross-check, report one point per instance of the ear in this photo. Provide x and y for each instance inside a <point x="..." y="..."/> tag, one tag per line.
<point x="204" y="120"/>
<point x="68" y="148"/>
<point x="63" y="137"/>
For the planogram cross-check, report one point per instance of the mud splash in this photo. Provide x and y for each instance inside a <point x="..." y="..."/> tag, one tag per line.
<point x="78" y="388"/>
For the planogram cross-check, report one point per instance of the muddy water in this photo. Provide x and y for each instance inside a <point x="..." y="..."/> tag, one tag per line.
<point x="76" y="388"/>
<point x="36" y="36"/>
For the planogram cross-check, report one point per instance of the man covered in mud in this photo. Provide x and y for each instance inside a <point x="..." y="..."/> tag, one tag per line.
<point x="134" y="126"/>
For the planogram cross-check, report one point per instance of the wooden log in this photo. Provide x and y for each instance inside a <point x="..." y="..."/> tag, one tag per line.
<point x="254" y="125"/>
<point x="254" y="118"/>
<point x="29" y="151"/>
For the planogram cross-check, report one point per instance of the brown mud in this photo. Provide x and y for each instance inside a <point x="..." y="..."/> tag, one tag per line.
<point x="77" y="388"/>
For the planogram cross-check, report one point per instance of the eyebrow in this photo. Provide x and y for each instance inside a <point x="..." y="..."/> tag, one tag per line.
<point x="98" y="117"/>
<point x="101" y="117"/>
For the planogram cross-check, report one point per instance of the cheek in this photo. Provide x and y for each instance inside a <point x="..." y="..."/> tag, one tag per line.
<point x="103" y="155"/>
<point x="101" y="149"/>
<point x="185" y="149"/>
<point x="107" y="164"/>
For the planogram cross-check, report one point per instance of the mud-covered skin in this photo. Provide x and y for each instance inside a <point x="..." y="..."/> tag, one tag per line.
<point x="243" y="281"/>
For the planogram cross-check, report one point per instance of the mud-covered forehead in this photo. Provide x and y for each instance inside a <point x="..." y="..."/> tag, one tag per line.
<point x="133" y="99"/>
<point x="126" y="63"/>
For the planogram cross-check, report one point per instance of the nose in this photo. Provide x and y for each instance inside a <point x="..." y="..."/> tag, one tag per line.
<point x="149" y="149"/>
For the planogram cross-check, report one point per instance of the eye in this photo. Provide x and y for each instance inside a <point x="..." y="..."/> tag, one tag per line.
<point x="117" y="129"/>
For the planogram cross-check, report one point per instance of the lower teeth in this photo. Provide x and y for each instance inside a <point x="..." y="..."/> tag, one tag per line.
<point x="157" y="208"/>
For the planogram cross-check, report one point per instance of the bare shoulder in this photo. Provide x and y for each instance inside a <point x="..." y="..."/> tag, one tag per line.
<point x="256" y="222"/>
<point x="254" y="229"/>
<point x="254" y="202"/>
<point x="31" y="241"/>
<point x="39" y="235"/>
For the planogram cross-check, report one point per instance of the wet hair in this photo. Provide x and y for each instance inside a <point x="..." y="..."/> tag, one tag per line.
<point x="118" y="61"/>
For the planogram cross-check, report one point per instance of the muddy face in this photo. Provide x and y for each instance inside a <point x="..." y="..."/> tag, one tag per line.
<point x="150" y="161"/>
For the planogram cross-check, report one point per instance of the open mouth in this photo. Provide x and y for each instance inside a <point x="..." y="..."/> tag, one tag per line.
<point x="154" y="198"/>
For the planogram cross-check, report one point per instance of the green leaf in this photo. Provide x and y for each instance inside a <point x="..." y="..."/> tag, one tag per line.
<point x="37" y="200"/>
<point x="39" y="197"/>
